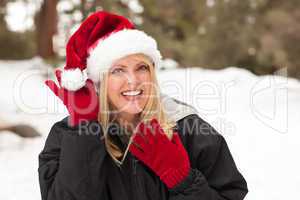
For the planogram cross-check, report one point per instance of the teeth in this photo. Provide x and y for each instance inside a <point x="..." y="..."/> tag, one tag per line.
<point x="132" y="93"/>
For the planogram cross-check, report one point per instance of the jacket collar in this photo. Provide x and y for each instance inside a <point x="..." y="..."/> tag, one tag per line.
<point x="175" y="109"/>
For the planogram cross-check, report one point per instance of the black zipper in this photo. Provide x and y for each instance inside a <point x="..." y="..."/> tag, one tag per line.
<point x="134" y="161"/>
<point x="134" y="178"/>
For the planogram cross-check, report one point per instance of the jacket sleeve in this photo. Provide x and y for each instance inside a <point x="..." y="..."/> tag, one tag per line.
<point x="214" y="175"/>
<point x="65" y="164"/>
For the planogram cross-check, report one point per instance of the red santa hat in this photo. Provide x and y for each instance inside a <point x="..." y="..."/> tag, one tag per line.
<point x="101" y="39"/>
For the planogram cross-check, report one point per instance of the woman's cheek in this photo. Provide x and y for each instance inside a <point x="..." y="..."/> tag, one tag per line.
<point x="115" y="84"/>
<point x="114" y="89"/>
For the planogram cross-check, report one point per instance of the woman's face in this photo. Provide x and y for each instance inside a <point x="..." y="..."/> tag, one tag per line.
<point x="129" y="84"/>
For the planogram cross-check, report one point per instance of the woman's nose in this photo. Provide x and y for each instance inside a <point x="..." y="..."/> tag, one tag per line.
<point x="132" y="78"/>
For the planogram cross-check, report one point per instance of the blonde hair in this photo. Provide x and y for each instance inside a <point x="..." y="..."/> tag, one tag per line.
<point x="153" y="109"/>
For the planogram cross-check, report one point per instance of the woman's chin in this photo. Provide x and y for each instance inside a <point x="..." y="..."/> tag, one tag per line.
<point x="132" y="107"/>
<point x="133" y="111"/>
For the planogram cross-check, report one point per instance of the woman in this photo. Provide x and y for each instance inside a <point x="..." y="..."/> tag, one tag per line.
<point x="123" y="138"/>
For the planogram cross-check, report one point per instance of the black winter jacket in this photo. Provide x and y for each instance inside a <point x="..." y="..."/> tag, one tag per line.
<point x="74" y="165"/>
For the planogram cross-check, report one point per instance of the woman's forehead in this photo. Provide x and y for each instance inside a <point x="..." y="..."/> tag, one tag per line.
<point x="132" y="59"/>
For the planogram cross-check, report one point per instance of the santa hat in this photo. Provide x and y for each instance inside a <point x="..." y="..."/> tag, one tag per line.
<point x="101" y="39"/>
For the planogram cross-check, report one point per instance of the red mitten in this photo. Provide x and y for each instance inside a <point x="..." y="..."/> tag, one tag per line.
<point x="82" y="104"/>
<point x="167" y="158"/>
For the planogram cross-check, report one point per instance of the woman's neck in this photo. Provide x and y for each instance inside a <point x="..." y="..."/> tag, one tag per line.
<point x="128" y="121"/>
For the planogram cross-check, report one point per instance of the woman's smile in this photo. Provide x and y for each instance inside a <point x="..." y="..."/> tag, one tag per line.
<point x="132" y="95"/>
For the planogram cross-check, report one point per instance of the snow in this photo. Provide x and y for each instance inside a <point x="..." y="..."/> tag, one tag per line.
<point x="20" y="14"/>
<point x="258" y="116"/>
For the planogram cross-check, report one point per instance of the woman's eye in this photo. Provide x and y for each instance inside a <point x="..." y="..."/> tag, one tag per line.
<point x="117" y="71"/>
<point x="144" y="67"/>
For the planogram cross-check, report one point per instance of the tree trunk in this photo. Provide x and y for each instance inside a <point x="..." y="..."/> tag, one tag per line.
<point x="3" y="13"/>
<point x="46" y="27"/>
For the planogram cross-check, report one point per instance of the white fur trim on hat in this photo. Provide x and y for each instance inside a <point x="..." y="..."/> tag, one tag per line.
<point x="118" y="45"/>
<point x="73" y="79"/>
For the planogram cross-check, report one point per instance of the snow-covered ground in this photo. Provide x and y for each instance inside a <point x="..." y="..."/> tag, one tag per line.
<point x="258" y="116"/>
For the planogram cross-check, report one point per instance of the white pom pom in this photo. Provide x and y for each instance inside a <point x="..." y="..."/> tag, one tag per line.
<point x="73" y="79"/>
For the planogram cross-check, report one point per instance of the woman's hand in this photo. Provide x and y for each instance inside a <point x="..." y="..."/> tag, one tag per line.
<point x="167" y="158"/>
<point x="82" y="104"/>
